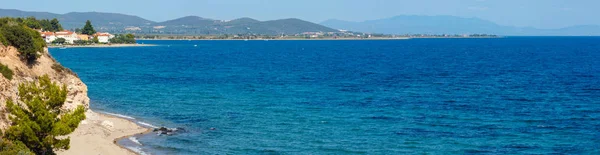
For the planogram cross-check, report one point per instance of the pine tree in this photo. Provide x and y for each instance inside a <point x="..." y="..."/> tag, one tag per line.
<point x="56" y="25"/>
<point x="88" y="28"/>
<point x="40" y="120"/>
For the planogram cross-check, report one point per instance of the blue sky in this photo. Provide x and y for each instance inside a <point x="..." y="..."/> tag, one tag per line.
<point x="533" y="13"/>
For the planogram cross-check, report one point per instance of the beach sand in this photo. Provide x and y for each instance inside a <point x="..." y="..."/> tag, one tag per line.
<point x="98" y="133"/>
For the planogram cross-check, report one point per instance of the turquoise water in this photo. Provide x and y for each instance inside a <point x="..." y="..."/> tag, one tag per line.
<point x="523" y="95"/>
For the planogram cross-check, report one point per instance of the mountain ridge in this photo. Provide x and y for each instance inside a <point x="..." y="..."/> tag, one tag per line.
<point x="418" y="24"/>
<point x="188" y="25"/>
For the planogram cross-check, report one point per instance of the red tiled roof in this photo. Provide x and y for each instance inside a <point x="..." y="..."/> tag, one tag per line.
<point x="65" y="32"/>
<point x="102" y="34"/>
<point x="47" y="33"/>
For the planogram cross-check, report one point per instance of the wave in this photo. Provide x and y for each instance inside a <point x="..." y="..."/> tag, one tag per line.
<point x="147" y="124"/>
<point x="135" y="140"/>
<point x="119" y="115"/>
<point x="137" y="150"/>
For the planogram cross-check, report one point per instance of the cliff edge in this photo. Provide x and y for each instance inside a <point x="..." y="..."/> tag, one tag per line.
<point x="45" y="65"/>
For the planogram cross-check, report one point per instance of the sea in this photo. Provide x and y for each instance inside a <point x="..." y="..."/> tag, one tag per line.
<point x="511" y="95"/>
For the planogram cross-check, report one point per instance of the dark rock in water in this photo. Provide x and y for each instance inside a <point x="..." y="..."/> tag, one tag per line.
<point x="168" y="131"/>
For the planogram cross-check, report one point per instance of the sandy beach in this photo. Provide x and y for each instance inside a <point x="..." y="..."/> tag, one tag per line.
<point x="98" y="133"/>
<point x="103" y="46"/>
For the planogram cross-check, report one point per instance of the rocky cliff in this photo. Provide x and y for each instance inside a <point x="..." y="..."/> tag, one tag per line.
<point x="46" y="65"/>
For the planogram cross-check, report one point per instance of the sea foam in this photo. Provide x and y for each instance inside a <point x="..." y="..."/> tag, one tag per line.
<point x="137" y="150"/>
<point x="146" y="124"/>
<point x="119" y="115"/>
<point x="135" y="140"/>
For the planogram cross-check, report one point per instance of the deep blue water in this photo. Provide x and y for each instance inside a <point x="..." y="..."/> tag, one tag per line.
<point x="523" y="95"/>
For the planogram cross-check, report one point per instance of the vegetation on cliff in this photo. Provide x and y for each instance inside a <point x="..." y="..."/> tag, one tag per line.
<point x="38" y="124"/>
<point x="16" y="33"/>
<point x="10" y="148"/>
<point x="39" y="121"/>
<point x="6" y="72"/>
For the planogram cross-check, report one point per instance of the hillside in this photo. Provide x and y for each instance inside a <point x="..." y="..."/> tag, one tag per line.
<point x="189" y="21"/>
<point x="102" y="21"/>
<point x="77" y="19"/>
<point x="288" y="26"/>
<point x="189" y="25"/>
<point x="451" y="25"/>
<point x="203" y="26"/>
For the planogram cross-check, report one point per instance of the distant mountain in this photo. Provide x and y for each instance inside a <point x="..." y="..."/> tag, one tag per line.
<point x="102" y="21"/>
<point x="19" y="13"/>
<point x="77" y="19"/>
<point x="205" y="26"/>
<point x="241" y="21"/>
<point x="189" y="25"/>
<point x="189" y="21"/>
<point x="451" y="25"/>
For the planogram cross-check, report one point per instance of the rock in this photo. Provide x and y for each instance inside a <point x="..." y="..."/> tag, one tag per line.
<point x="168" y="131"/>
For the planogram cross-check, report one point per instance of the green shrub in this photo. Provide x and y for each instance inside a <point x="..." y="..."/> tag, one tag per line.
<point x="123" y="39"/>
<point x="39" y="121"/>
<point x="59" y="41"/>
<point x="6" y="72"/>
<point x="3" y="40"/>
<point x="28" y="41"/>
<point x="81" y="42"/>
<point x="10" y="148"/>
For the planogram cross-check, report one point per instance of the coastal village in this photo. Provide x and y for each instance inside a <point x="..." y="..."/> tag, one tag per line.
<point x="72" y="37"/>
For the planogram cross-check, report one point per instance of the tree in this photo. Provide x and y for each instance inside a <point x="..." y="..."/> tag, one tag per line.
<point x="95" y="40"/>
<point x="123" y="39"/>
<point x="29" y="42"/>
<point x="33" y="23"/>
<point x="40" y="120"/>
<point x="59" y="41"/>
<point x="55" y="25"/>
<point x="47" y="25"/>
<point x="88" y="28"/>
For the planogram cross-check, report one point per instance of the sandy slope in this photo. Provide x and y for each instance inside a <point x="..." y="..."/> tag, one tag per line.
<point x="97" y="134"/>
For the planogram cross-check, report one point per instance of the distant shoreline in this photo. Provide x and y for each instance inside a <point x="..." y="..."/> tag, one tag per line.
<point x="292" y="39"/>
<point x="103" y="46"/>
<point x="316" y="39"/>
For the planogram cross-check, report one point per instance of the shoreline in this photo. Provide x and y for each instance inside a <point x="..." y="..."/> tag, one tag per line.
<point x="292" y="39"/>
<point x="104" y="46"/>
<point x="100" y="132"/>
<point x="327" y="39"/>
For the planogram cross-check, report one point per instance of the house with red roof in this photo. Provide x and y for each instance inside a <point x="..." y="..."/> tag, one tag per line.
<point x="49" y="37"/>
<point x="69" y="36"/>
<point x="104" y="37"/>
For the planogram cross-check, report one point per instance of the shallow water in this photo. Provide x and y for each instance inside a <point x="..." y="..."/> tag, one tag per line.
<point x="522" y="95"/>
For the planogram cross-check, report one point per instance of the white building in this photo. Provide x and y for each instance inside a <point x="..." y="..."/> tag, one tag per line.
<point x="49" y="37"/>
<point x="104" y="37"/>
<point x="69" y="36"/>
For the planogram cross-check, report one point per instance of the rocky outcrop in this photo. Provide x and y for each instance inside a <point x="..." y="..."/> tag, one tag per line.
<point x="46" y="65"/>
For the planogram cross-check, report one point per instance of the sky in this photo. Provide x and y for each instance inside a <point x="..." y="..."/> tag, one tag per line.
<point x="522" y="13"/>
